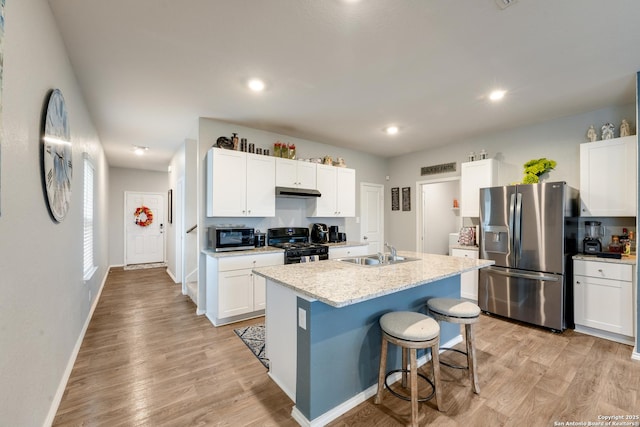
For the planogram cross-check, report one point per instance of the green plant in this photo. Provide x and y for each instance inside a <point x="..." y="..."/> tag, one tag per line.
<point x="536" y="167"/>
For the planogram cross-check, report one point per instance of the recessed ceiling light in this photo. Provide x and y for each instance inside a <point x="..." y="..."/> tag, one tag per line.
<point x="391" y="130"/>
<point x="139" y="151"/>
<point x="497" y="95"/>
<point x="256" y="85"/>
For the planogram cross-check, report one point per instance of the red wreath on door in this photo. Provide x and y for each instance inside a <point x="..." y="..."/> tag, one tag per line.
<point x="148" y="216"/>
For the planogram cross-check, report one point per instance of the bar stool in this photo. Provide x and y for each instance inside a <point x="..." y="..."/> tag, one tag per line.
<point x="410" y="331"/>
<point x="454" y="310"/>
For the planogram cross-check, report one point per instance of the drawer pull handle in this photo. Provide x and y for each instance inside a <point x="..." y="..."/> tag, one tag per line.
<point x="577" y="282"/>
<point x="600" y="270"/>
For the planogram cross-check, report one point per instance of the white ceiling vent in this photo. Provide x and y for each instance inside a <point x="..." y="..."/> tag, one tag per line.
<point x="503" y="4"/>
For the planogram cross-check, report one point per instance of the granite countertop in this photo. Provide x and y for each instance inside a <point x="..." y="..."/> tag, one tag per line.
<point x="256" y="251"/>
<point x="626" y="259"/>
<point x="340" y="284"/>
<point x="345" y="244"/>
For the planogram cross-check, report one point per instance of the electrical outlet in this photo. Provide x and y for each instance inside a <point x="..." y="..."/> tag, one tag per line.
<point x="302" y="318"/>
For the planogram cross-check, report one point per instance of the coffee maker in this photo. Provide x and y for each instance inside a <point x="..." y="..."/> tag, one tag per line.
<point x="591" y="243"/>
<point x="319" y="233"/>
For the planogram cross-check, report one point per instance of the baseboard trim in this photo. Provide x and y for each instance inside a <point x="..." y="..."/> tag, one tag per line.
<point x="611" y="336"/>
<point x="57" y="398"/>
<point x="172" y="276"/>
<point x="359" y="398"/>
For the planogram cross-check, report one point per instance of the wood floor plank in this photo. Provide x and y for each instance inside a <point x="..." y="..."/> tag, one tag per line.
<point x="148" y="360"/>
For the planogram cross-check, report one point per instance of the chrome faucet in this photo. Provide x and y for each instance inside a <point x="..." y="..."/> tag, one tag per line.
<point x="380" y="257"/>
<point x="392" y="249"/>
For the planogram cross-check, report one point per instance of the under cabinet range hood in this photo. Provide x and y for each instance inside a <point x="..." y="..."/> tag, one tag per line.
<point x="297" y="192"/>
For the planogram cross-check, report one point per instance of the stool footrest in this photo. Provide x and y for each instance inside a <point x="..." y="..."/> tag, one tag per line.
<point x="442" y="362"/>
<point x="408" y="398"/>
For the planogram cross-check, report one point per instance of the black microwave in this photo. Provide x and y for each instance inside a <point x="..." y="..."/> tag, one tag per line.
<point x="222" y="239"/>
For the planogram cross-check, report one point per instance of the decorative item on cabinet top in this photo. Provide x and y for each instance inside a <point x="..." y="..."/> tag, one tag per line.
<point x="533" y="169"/>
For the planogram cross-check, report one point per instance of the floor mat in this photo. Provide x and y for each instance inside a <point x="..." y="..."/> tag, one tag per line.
<point x="253" y="337"/>
<point x="143" y="266"/>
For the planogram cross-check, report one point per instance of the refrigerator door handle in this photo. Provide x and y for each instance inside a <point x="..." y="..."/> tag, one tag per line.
<point x="517" y="229"/>
<point x="512" y="208"/>
<point x="524" y="275"/>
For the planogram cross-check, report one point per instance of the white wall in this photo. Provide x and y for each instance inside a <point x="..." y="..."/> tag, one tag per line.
<point x="557" y="139"/>
<point x="121" y="180"/>
<point x="44" y="302"/>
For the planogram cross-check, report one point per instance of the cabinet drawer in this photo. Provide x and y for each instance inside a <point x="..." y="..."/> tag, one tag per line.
<point x="464" y="253"/>
<point x="603" y="270"/>
<point x="249" y="261"/>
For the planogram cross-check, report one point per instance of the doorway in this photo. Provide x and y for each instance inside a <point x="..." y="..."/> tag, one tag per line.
<point x="144" y="228"/>
<point x="437" y="217"/>
<point x="372" y="216"/>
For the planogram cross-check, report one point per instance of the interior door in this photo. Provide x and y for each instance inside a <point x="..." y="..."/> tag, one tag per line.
<point x="372" y="216"/>
<point x="144" y="244"/>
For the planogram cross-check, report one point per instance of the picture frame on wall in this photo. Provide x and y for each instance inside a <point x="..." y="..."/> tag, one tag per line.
<point x="406" y="198"/>
<point x="2" y="3"/>
<point x="170" y="206"/>
<point x="395" y="199"/>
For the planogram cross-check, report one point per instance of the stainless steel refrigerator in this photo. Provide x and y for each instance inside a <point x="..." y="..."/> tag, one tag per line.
<point x="531" y="232"/>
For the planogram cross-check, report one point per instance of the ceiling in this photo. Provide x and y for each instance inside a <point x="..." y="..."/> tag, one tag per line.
<point x="339" y="71"/>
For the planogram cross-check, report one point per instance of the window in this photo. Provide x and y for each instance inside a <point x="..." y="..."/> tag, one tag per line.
<point x="89" y="264"/>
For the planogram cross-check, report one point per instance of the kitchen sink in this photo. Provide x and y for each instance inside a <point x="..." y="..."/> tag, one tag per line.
<point x="375" y="261"/>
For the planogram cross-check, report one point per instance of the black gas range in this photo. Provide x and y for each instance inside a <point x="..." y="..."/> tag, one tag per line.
<point x="296" y="245"/>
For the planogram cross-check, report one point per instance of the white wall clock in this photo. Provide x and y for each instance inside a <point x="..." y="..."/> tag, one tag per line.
<point x="57" y="162"/>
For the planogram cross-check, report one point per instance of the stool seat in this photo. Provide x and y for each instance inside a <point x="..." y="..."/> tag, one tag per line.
<point x="409" y="326"/>
<point x="453" y="307"/>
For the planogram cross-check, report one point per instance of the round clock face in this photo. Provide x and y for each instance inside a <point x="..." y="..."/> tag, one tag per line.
<point x="57" y="163"/>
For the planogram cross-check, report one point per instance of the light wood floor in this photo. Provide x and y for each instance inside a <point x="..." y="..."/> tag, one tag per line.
<point x="147" y="359"/>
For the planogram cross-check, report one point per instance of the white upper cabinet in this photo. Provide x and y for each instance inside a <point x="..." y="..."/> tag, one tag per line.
<point x="473" y="177"/>
<point x="240" y="184"/>
<point x="608" y="175"/>
<point x="337" y="187"/>
<point x="296" y="174"/>
<point x="261" y="183"/>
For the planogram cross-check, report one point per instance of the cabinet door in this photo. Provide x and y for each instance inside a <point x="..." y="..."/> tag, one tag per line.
<point x="259" y="292"/>
<point x="603" y="304"/>
<point x="346" y="192"/>
<point x="235" y="293"/>
<point x="226" y="183"/>
<point x="468" y="280"/>
<point x="325" y="205"/>
<point x="306" y="175"/>
<point x="608" y="177"/>
<point x="286" y="172"/>
<point x="473" y="177"/>
<point x="261" y="183"/>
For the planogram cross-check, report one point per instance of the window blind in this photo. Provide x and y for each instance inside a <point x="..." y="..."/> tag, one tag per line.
<point x="88" y="266"/>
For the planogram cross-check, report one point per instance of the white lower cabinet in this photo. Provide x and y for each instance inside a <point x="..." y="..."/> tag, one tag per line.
<point x="604" y="297"/>
<point x="468" y="280"/>
<point x="234" y="292"/>
<point x="347" y="251"/>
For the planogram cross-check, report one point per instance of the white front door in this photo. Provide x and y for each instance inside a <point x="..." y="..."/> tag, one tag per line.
<point x="144" y="227"/>
<point x="372" y="216"/>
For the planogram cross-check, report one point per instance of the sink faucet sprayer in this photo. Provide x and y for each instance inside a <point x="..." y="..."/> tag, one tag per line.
<point x="391" y="248"/>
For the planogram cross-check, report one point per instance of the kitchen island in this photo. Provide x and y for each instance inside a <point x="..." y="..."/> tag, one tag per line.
<point x="322" y="333"/>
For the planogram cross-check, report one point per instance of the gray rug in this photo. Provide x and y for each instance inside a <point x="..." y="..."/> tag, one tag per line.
<point x="253" y="337"/>
<point x="143" y="266"/>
